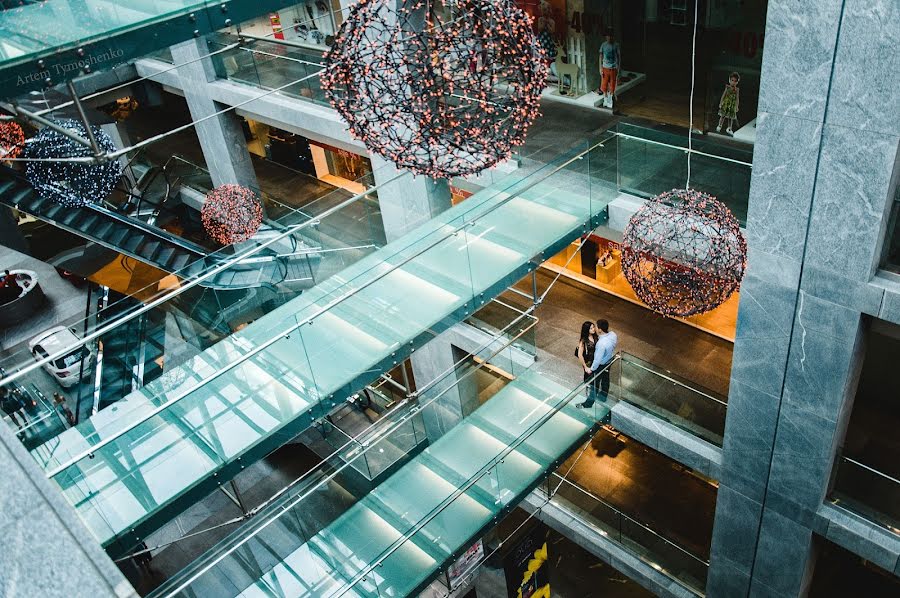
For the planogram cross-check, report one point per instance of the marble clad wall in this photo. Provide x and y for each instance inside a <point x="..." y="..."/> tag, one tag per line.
<point x="45" y="550"/>
<point x="824" y="172"/>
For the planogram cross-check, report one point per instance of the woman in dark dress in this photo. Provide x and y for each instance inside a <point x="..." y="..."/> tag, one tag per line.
<point x="585" y="351"/>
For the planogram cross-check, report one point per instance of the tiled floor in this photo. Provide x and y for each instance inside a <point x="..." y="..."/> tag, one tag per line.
<point x="690" y="353"/>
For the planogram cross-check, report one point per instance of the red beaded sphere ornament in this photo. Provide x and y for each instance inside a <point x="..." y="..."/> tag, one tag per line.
<point x="441" y="89"/>
<point x="683" y="253"/>
<point x="12" y="139"/>
<point x="231" y="214"/>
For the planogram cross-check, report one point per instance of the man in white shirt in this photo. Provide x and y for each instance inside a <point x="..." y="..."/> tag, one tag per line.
<point x="604" y="351"/>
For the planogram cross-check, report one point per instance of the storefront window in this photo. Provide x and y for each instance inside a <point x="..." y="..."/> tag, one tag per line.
<point x="312" y="22"/>
<point x="654" y="43"/>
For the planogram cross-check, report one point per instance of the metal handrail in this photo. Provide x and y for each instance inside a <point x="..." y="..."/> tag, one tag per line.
<point x="367" y="440"/>
<point x="284" y="333"/>
<point x="871" y="469"/>
<point x="593" y="496"/>
<point x="673" y="380"/>
<point x="682" y="149"/>
<point x="476" y="477"/>
<point x="192" y="283"/>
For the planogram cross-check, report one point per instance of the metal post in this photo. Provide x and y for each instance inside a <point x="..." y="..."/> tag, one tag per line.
<point x="534" y="288"/>
<point x="98" y="152"/>
<point x="28" y="115"/>
<point x="237" y="495"/>
<point x="405" y="376"/>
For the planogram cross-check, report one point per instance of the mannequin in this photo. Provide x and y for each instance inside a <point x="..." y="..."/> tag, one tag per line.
<point x="610" y="64"/>
<point x="729" y="104"/>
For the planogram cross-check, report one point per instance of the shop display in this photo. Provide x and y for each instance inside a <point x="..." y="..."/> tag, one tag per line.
<point x="566" y="74"/>
<point x="683" y="253"/>
<point x="449" y="98"/>
<point x="610" y="64"/>
<point x="729" y="104"/>
<point x="231" y="214"/>
<point x="12" y="140"/>
<point x="71" y="184"/>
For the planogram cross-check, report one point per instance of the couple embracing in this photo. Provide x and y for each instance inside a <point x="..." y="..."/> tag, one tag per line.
<point x="596" y="349"/>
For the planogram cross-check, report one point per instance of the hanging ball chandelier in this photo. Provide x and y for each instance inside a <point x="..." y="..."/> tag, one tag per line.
<point x="71" y="184"/>
<point x="441" y="89"/>
<point x="12" y="139"/>
<point x="683" y="253"/>
<point x="231" y="214"/>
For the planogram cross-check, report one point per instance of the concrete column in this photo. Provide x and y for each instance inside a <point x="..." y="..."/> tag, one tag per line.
<point x="408" y="202"/>
<point x="45" y="550"/>
<point x="458" y="401"/>
<point x="221" y="137"/>
<point x="825" y="164"/>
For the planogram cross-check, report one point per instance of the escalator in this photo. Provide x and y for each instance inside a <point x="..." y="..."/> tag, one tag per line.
<point x="156" y="247"/>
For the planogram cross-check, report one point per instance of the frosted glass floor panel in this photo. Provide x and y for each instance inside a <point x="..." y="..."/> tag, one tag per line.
<point x="414" y="493"/>
<point x="360" y="537"/>
<point x="537" y="226"/>
<point x="133" y="476"/>
<point x="361" y="317"/>
<point x="305" y="574"/>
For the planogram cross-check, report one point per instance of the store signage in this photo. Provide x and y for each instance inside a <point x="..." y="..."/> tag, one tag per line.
<point x="465" y="564"/>
<point x="275" y="21"/>
<point x="526" y="567"/>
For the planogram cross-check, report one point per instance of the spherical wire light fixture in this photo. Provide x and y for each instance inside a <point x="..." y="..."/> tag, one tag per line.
<point x="71" y="184"/>
<point x="441" y="90"/>
<point x="231" y="214"/>
<point x="12" y="140"/>
<point x="683" y="253"/>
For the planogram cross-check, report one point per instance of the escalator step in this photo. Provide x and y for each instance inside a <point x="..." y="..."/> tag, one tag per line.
<point x="132" y="242"/>
<point x="6" y="187"/>
<point x="164" y="256"/>
<point x="21" y="197"/>
<point x="102" y="229"/>
<point x="179" y="261"/>
<point x="50" y="210"/>
<point x="117" y="235"/>
<point x="148" y="249"/>
<point x="88" y="223"/>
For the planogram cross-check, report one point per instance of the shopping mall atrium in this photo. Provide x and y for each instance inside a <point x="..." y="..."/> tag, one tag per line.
<point x="449" y="298"/>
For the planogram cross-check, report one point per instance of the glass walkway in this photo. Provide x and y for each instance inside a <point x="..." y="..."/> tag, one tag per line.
<point x="101" y="34"/>
<point x="134" y="466"/>
<point x="395" y="539"/>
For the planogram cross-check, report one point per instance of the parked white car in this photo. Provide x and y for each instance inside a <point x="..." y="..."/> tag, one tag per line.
<point x="65" y="369"/>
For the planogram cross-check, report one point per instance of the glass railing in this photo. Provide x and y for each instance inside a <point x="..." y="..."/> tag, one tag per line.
<point x="223" y="569"/>
<point x="659" y="552"/>
<point x="494" y="317"/>
<point x="650" y="161"/>
<point x="270" y="65"/>
<point x="365" y="545"/>
<point x="234" y="285"/>
<point x="54" y="40"/>
<point x="297" y="363"/>
<point x="872" y="493"/>
<point x="37" y="418"/>
<point x="682" y="403"/>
